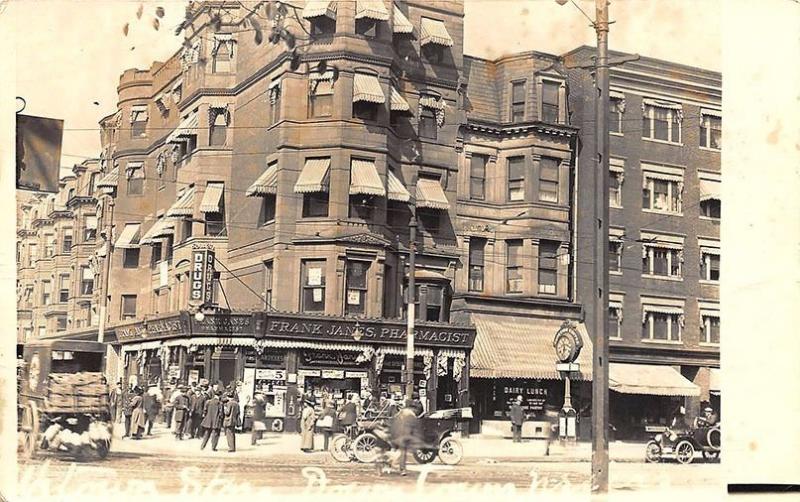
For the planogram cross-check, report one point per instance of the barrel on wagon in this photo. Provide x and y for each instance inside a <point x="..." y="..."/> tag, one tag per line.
<point x="64" y="398"/>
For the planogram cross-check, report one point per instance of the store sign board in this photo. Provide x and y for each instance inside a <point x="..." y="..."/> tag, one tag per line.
<point x="224" y="324"/>
<point x="168" y="327"/>
<point x="534" y="395"/>
<point x="201" y="287"/>
<point x="265" y="374"/>
<point x="336" y="374"/>
<point x="356" y="374"/>
<point x="330" y="358"/>
<point x="371" y="332"/>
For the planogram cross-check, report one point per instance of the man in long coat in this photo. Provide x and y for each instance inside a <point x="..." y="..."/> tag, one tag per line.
<point x="404" y="432"/>
<point x="138" y="416"/>
<point x="180" y="406"/>
<point x="197" y="412"/>
<point x="212" y="421"/>
<point x="517" y="415"/>
<point x="231" y="420"/>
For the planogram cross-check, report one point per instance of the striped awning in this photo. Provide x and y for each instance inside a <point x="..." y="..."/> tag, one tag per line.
<point x="649" y="379"/>
<point x="430" y="195"/>
<point x="364" y="178"/>
<point x="367" y="88"/>
<point x="129" y="238"/>
<point x="314" y="176"/>
<point x="187" y="127"/>
<point x="508" y="346"/>
<point x="709" y="190"/>
<point x="163" y="227"/>
<point x="401" y="22"/>
<point x="397" y="103"/>
<point x="212" y="199"/>
<point x="433" y="31"/>
<point x="663" y="309"/>
<point x="711" y="112"/>
<point x="110" y="180"/>
<point x="396" y="190"/>
<point x="184" y="205"/>
<point x="316" y="8"/>
<point x="372" y="9"/>
<point x="266" y="184"/>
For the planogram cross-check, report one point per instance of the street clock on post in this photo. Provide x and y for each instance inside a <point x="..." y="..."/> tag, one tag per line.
<point x="567" y="343"/>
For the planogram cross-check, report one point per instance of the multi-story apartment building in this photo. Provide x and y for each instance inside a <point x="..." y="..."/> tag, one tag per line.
<point x="664" y="196"/>
<point x="55" y="250"/>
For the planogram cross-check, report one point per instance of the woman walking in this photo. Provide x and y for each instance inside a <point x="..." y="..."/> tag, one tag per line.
<point x="138" y="417"/>
<point x="307" y="421"/>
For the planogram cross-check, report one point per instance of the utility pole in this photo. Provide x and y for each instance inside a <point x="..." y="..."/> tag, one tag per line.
<point x="600" y="320"/>
<point x="101" y="325"/>
<point x="411" y="295"/>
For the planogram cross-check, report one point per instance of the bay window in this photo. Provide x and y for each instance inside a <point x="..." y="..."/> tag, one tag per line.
<point x="548" y="267"/>
<point x="477" y="247"/>
<point x="548" y="179"/>
<point x="516" y="178"/>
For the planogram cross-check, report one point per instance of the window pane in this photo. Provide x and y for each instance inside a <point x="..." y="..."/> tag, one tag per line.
<point x="476" y="251"/>
<point x="518" y="92"/>
<point x="675" y="263"/>
<point x="660" y="194"/>
<point x="614" y="116"/>
<point x="614" y="255"/>
<point x="713" y="326"/>
<point x="613" y="322"/>
<point x="315" y="205"/>
<point x="646" y="131"/>
<point x="661" y="123"/>
<point x="659" y="262"/>
<point x="704" y="132"/>
<point x="516" y="168"/>
<point x="513" y="252"/>
<point x="427" y="124"/>
<point x="716" y="133"/>
<point x="550" y="93"/>
<point x="676" y="128"/>
<point x="357" y="274"/>
<point x="550" y="113"/>
<point x="548" y="191"/>
<point x="477" y="189"/>
<point x="713" y="267"/>
<point x="659" y="326"/>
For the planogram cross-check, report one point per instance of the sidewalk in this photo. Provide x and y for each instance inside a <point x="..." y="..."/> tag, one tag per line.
<point x="476" y="448"/>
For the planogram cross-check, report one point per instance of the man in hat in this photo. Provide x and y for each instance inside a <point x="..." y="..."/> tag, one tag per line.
<point x="212" y="421"/>
<point x="115" y="401"/>
<point x="180" y="406"/>
<point x="517" y="415"/>
<point x="231" y="420"/>
<point x="197" y="407"/>
<point x="152" y="406"/>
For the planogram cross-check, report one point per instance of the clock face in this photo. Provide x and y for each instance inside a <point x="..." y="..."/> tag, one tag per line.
<point x="564" y="348"/>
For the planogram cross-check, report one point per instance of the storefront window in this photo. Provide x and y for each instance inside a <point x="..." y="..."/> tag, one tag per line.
<point x="313" y="286"/>
<point x="356" y="286"/>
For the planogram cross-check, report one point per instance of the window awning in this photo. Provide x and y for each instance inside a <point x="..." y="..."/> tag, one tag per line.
<point x="372" y="9"/>
<point x="183" y="206"/>
<point x="212" y="199"/>
<point x="649" y="379"/>
<point x="711" y="112"/>
<point x="714" y="380"/>
<point x="709" y="190"/>
<point x="663" y="245"/>
<point x="316" y="8"/>
<point x="661" y="176"/>
<point x="129" y="238"/>
<point x="266" y="184"/>
<point x="661" y="104"/>
<point x="314" y="176"/>
<point x="397" y="103"/>
<point x="87" y="274"/>
<point x="364" y="178"/>
<point x="431" y="195"/>
<point x="433" y="31"/>
<point x="401" y="22"/>
<point x="396" y="191"/>
<point x="508" y="346"/>
<point x="187" y="127"/>
<point x="367" y="88"/>
<point x="110" y="180"/>
<point x="663" y="309"/>
<point x="163" y="227"/>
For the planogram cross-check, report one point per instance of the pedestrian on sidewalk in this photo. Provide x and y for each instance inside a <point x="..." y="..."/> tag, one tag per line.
<point x="231" y="421"/>
<point x="138" y="417"/>
<point x="517" y="415"/>
<point x="127" y="410"/>
<point x="259" y="414"/>
<point x="325" y="422"/>
<point x="180" y="406"/>
<point x="307" y="421"/>
<point x="152" y="407"/>
<point x="197" y="412"/>
<point x="115" y="401"/>
<point x="212" y="421"/>
<point x="404" y="432"/>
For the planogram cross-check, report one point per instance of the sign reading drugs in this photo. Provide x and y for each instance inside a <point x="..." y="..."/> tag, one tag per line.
<point x="201" y="291"/>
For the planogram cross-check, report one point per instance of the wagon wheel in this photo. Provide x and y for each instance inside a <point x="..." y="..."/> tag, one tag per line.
<point x="684" y="452"/>
<point x="29" y="430"/>
<point x="450" y="451"/>
<point x="424" y="455"/>
<point x="340" y="448"/>
<point x="366" y="448"/>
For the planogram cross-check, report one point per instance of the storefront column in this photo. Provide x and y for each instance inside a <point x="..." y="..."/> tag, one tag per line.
<point x="207" y="364"/>
<point x="294" y="400"/>
<point x="433" y="384"/>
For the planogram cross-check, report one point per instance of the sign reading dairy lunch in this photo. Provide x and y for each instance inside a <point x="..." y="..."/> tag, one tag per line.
<point x="371" y="332"/>
<point x="201" y="291"/>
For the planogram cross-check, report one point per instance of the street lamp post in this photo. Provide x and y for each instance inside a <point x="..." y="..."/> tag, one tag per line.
<point x="410" y="310"/>
<point x="101" y="322"/>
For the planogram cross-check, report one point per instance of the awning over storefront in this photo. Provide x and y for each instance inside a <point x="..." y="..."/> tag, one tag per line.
<point x="266" y="184"/>
<point x="430" y="195"/>
<point x="650" y="379"/>
<point x="364" y="178"/>
<point x="129" y="238"/>
<point x="187" y="127"/>
<point x="316" y="8"/>
<point x="714" y="381"/>
<point x="314" y="176"/>
<point x="110" y="180"/>
<point x="433" y="31"/>
<point x="161" y="228"/>
<point x="709" y="190"/>
<point x="397" y="103"/>
<point x="401" y="22"/>
<point x="509" y="346"/>
<point x="367" y="88"/>
<point x="184" y="205"/>
<point x="396" y="190"/>
<point x="212" y="199"/>
<point x="372" y="9"/>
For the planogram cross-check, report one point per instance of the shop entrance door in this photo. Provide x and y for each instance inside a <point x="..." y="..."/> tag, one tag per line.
<point x="223" y="366"/>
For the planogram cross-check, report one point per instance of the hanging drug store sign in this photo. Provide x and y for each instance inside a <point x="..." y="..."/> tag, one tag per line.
<point x="201" y="291"/>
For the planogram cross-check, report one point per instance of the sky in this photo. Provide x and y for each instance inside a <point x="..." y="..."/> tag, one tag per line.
<point x="68" y="66"/>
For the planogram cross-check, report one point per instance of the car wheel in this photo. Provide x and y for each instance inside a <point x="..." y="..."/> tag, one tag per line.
<point x="684" y="452"/>
<point x="424" y="455"/>
<point x="450" y="451"/>
<point x="652" y="452"/>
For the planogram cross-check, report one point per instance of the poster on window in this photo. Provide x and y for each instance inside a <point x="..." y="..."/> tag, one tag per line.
<point x="353" y="297"/>
<point x="315" y="277"/>
<point x="317" y="294"/>
<point x="174" y="372"/>
<point x="194" y="377"/>
<point x="248" y="385"/>
<point x="336" y="374"/>
<point x="265" y="374"/>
